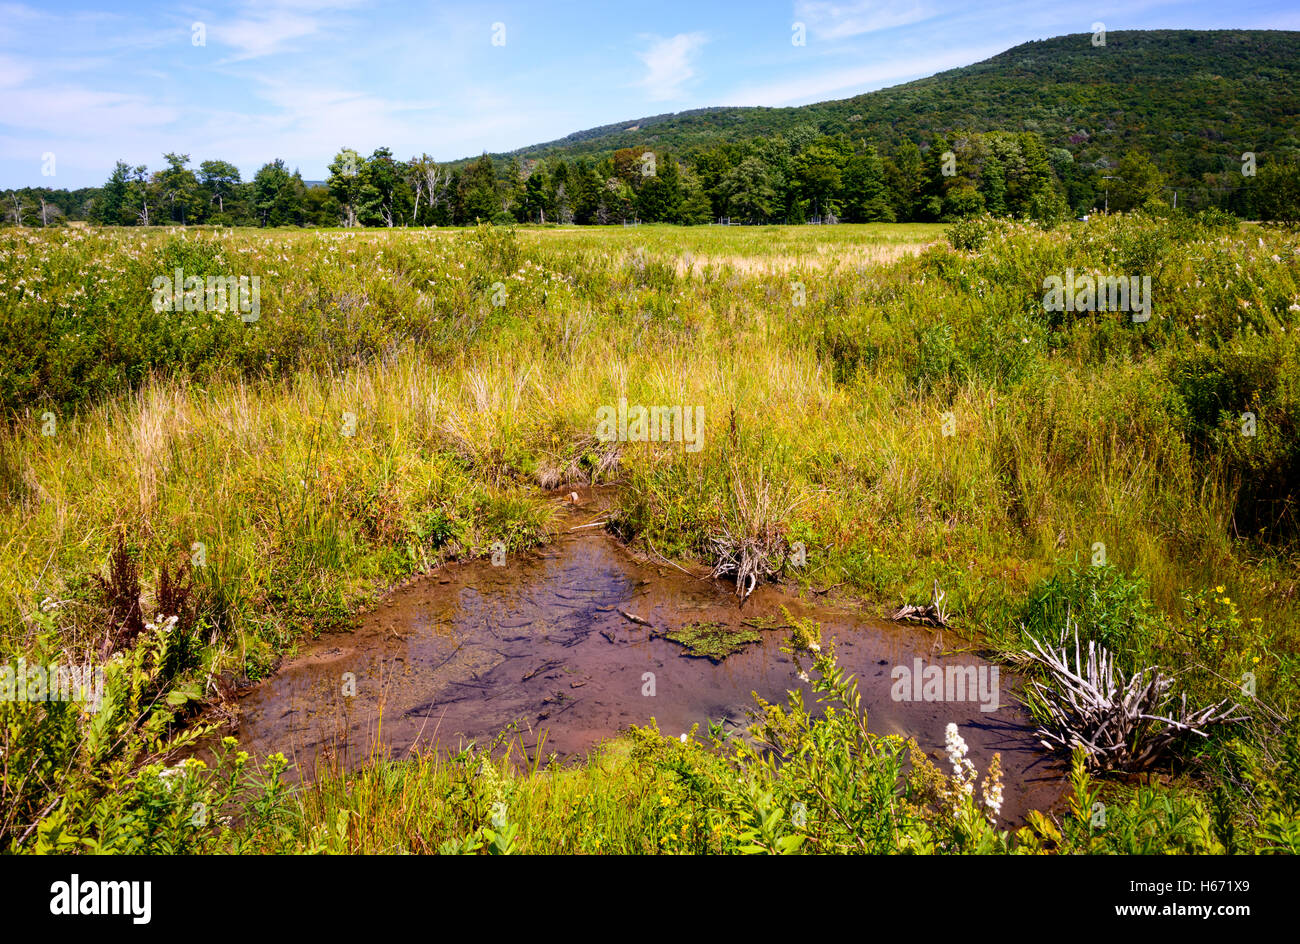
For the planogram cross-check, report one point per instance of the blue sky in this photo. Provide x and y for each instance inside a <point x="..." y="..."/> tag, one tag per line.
<point x="299" y="79"/>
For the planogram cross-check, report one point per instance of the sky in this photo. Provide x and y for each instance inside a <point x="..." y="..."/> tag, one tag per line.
<point x="83" y="84"/>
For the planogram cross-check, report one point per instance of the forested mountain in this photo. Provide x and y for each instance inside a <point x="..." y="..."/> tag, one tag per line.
<point x="1042" y="130"/>
<point x="1188" y="98"/>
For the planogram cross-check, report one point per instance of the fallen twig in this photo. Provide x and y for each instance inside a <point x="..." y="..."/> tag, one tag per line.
<point x="932" y="614"/>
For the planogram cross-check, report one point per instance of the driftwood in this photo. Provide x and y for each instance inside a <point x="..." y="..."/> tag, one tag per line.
<point x="932" y="614"/>
<point x="1123" y="723"/>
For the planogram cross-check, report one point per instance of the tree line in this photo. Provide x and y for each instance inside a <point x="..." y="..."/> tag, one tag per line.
<point x="796" y="177"/>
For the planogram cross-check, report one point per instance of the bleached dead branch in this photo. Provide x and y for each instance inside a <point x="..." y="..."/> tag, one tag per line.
<point x="1123" y="722"/>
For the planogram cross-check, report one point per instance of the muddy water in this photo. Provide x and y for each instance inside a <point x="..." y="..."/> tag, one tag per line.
<point x="548" y="642"/>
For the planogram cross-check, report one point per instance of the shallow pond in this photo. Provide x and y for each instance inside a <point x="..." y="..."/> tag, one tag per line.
<point x="565" y="640"/>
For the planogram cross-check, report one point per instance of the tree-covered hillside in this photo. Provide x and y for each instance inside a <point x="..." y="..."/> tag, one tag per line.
<point x="1194" y="100"/>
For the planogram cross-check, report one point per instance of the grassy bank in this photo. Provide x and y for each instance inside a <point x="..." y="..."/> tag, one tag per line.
<point x="906" y="409"/>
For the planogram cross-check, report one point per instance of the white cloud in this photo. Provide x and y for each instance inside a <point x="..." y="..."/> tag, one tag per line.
<point x="15" y="19"/>
<point x="829" y="20"/>
<point x="13" y="72"/>
<point x="270" y="27"/>
<point x="263" y="35"/>
<point x="84" y="113"/>
<point x="668" y="64"/>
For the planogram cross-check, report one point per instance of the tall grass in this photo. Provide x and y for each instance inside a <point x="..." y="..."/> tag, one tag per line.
<point x="909" y="410"/>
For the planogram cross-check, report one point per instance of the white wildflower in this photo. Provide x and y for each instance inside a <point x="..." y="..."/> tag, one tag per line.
<point x="993" y="799"/>
<point x="169" y="775"/>
<point x="963" y="771"/>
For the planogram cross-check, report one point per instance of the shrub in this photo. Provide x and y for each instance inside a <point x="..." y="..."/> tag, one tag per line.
<point x="969" y="234"/>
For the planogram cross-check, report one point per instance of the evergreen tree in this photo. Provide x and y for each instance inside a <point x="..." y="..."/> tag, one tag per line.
<point x="111" y="208"/>
<point x="750" y="191"/>
<point x="1045" y="201"/>
<point x="558" y="198"/>
<point x="617" y="201"/>
<point x="660" y="198"/>
<point x="478" y="192"/>
<point x="535" y="204"/>
<point x="816" y="180"/>
<point x="586" y="196"/>
<point x="994" y="183"/>
<point x="279" y="197"/>
<point x="934" y="186"/>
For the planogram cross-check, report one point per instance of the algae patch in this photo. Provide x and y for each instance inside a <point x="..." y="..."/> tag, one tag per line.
<point x="713" y="641"/>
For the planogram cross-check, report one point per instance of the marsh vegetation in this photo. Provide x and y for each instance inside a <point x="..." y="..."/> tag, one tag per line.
<point x="896" y="400"/>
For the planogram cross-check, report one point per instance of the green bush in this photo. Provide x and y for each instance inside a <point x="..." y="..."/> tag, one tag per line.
<point x="969" y="234"/>
<point x="1108" y="606"/>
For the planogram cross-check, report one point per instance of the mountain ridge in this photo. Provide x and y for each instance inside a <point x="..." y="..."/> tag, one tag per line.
<point x="1060" y="87"/>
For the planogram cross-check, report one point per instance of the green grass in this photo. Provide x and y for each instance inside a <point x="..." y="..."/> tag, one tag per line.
<point x="830" y="363"/>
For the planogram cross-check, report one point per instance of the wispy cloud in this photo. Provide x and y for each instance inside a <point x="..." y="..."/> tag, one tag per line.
<point x="13" y="72"/>
<point x="841" y="20"/>
<point x="76" y="113"/>
<point x="668" y="64"/>
<point x="266" y="28"/>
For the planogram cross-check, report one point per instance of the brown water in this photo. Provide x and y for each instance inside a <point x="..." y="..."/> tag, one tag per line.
<point x="546" y="642"/>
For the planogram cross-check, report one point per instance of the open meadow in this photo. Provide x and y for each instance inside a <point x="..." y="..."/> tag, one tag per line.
<point x="190" y="496"/>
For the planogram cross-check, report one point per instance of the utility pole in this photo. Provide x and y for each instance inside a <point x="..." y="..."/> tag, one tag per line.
<point x="1116" y="177"/>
